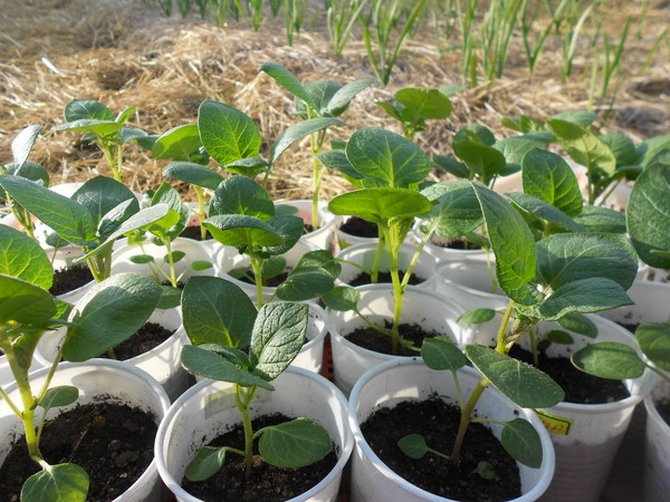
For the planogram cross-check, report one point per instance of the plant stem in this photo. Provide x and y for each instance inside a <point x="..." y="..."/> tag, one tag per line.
<point x="393" y="247"/>
<point x="242" y="399"/>
<point x="173" y="275"/>
<point x="202" y="215"/>
<point x="257" y="268"/>
<point x="374" y="273"/>
<point x="501" y="346"/>
<point x="465" y="418"/>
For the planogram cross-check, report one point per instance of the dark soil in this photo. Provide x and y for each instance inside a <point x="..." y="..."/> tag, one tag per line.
<point x="265" y="482"/>
<point x="438" y="422"/>
<point x="382" y="277"/>
<point x="371" y="339"/>
<point x="272" y="282"/>
<point x="307" y="228"/>
<point x="149" y="336"/>
<point x="69" y="279"/>
<point x="113" y="443"/>
<point x="194" y="232"/>
<point x="663" y="408"/>
<point x="180" y="284"/>
<point x="458" y="243"/>
<point x="579" y="387"/>
<point x="629" y="326"/>
<point x="359" y="227"/>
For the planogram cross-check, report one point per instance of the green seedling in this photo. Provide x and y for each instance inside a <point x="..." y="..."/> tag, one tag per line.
<point x="414" y="106"/>
<point x="103" y="127"/>
<point x="28" y="312"/>
<point x="341" y="17"/>
<point x="248" y="349"/>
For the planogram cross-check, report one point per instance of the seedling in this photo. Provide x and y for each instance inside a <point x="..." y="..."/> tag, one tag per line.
<point x="249" y="349"/>
<point x="27" y="312"/>
<point x="103" y="127"/>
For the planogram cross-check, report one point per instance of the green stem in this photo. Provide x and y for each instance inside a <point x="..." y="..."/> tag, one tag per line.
<point x="257" y="268"/>
<point x="242" y="399"/>
<point x="393" y="246"/>
<point x="173" y="275"/>
<point x="415" y="258"/>
<point x="465" y="418"/>
<point x="202" y="215"/>
<point x="381" y="231"/>
<point x="501" y="346"/>
<point x="111" y="160"/>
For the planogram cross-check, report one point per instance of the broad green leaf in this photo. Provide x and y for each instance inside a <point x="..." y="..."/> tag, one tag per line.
<point x="217" y="311"/>
<point x="387" y="157"/>
<point x="611" y="360"/>
<point x="99" y="195"/>
<point x="548" y="177"/>
<point x="112" y="220"/>
<point x="272" y="267"/>
<point x="413" y="445"/>
<point x="515" y="149"/>
<point x="179" y="143"/>
<point x="23" y="143"/>
<point x="342" y="98"/>
<point x="538" y="208"/>
<point x="22" y="257"/>
<point x="483" y="160"/>
<point x="78" y="109"/>
<point x="594" y="294"/>
<point x="521" y="440"/>
<point x="142" y="259"/>
<point x="579" y="323"/>
<point x="649" y="149"/>
<point x="177" y="256"/>
<point x="560" y="337"/>
<point x="29" y="170"/>
<point x="109" y="313"/>
<point x="341" y="298"/>
<point x="513" y="245"/>
<point x="294" y="444"/>
<point x="23" y="302"/>
<point x="475" y="133"/>
<point x="59" y="396"/>
<point x="584" y="147"/>
<point x="320" y="259"/>
<point x="476" y="316"/>
<point x="321" y="92"/>
<point x="458" y="211"/>
<point x="648" y="215"/>
<point x="208" y="364"/>
<point x="522" y="383"/>
<point x="621" y="146"/>
<point x="57" y="483"/>
<point x="207" y="461"/>
<point x="243" y="196"/>
<point x="298" y="131"/>
<point x="337" y="159"/>
<point x="226" y="133"/>
<point x="654" y="340"/>
<point x="440" y="353"/>
<point x="390" y="109"/>
<point x="249" y="167"/>
<point x="277" y="337"/>
<point x="100" y="128"/>
<point x="287" y="80"/>
<point x="305" y="283"/>
<point x="290" y="228"/>
<point x="166" y="194"/>
<point x="582" y="118"/>
<point x="486" y="471"/>
<point x="170" y="297"/>
<point x="601" y="219"/>
<point x="564" y="258"/>
<point x="129" y="134"/>
<point x="451" y="165"/>
<point x="65" y="216"/>
<point x="240" y="231"/>
<point x="423" y="104"/>
<point x="381" y="204"/>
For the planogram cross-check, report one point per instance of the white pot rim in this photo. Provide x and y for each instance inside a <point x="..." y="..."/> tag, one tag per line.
<point x="547" y="457"/>
<point x="322" y="334"/>
<point x="178" y="491"/>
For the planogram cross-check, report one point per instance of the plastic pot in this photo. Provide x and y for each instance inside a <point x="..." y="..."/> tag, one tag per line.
<point x="656" y="478"/>
<point x="441" y="253"/>
<point x="324" y="236"/>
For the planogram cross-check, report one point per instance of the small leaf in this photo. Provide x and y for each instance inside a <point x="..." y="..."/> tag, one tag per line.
<point x="590" y="295"/>
<point x="342" y="298"/>
<point x="486" y="471"/>
<point x="57" y="483"/>
<point x="23" y="258"/>
<point x="170" y="297"/>
<point x="177" y="256"/>
<point x="584" y="147"/>
<point x="87" y="109"/>
<point x="539" y="209"/>
<point x="208" y="364"/>
<point x="483" y="160"/>
<point x="423" y="104"/>
<point x="294" y="444"/>
<point x="179" y="143"/>
<point x="305" y="283"/>
<point x="560" y="337"/>
<point x="413" y="445"/>
<point x="582" y="118"/>
<point x="381" y="204"/>
<point x="298" y="131"/>
<point x="521" y="440"/>
<point x="23" y="302"/>
<point x="601" y="219"/>
<point x="476" y="316"/>
<point x="440" y="353"/>
<point x="611" y="360"/>
<point x="59" y="396"/>
<point x="242" y="196"/>
<point x="195" y="174"/>
<point x="342" y="98"/>
<point x="199" y="265"/>
<point x="23" y="143"/>
<point x="141" y="259"/>
<point x="288" y="81"/>
<point x="654" y="341"/>
<point x="579" y="324"/>
<point x="207" y="462"/>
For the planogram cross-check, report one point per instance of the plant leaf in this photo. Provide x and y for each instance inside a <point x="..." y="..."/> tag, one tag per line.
<point x="522" y="442"/>
<point x="538" y="208"/>
<point x="57" y="483"/>
<point x="207" y="462"/>
<point x="305" y="283"/>
<point x="243" y="196"/>
<point x="548" y="177"/>
<point x="581" y="118"/>
<point x="294" y="444"/>
<point x="179" y="143"/>
<point x="611" y="360"/>
<point x="381" y="204"/>
<point x="23" y="143"/>
<point x="209" y="364"/>
<point x="100" y="195"/>
<point x="298" y="131"/>
<point x="59" y="396"/>
<point x="23" y="258"/>
<point x="458" y="211"/>
<point x="337" y="159"/>
<point x="78" y="109"/>
<point x="24" y="302"/>
<point x="579" y="323"/>
<point x="290" y="228"/>
<point x="340" y="101"/>
<point x="483" y="160"/>
<point x="99" y="128"/>
<point x="440" y="353"/>
<point x="601" y="219"/>
<point x="195" y="174"/>
<point x="240" y="231"/>
<point x="515" y="149"/>
<point x="287" y="80"/>
<point x="584" y="147"/>
<point x="594" y="294"/>
<point x="413" y="445"/>
<point x="423" y="104"/>
<point x="476" y="316"/>
<point x="341" y="298"/>
<point x="654" y="341"/>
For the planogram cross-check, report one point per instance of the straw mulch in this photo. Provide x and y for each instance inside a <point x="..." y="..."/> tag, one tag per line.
<point x="125" y="52"/>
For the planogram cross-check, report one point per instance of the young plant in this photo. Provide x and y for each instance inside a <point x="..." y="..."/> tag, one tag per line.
<point x="340" y="18"/>
<point x="28" y="312"/>
<point x="248" y="349"/>
<point x="102" y="127"/>
<point x="319" y="99"/>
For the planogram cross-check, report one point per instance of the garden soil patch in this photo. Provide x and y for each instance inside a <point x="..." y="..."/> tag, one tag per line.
<point x="112" y="442"/>
<point x="265" y="482"/>
<point x="359" y="227"/>
<point x="69" y="279"/>
<point x="371" y="339"/>
<point x="438" y="422"/>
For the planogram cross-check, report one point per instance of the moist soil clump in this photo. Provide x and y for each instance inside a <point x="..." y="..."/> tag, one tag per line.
<point x="113" y="443"/>
<point x="382" y="277"/>
<point x="148" y="337"/>
<point x="371" y="339"/>
<point x="458" y="243"/>
<point x="359" y="227"/>
<point x="265" y="482"/>
<point x="437" y="421"/>
<point x="579" y="387"/>
<point x="69" y="279"/>
<point x="194" y="232"/>
<point x="663" y="408"/>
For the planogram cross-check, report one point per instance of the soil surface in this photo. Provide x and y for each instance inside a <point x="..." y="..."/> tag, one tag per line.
<point x="272" y="282"/>
<point x="371" y="339"/>
<point x="438" y="422"/>
<point x="265" y="482"/>
<point x="459" y="243"/>
<point x="579" y="387"/>
<point x="194" y="232"/>
<point x="383" y="277"/>
<point x="359" y="227"/>
<point x="149" y="336"/>
<point x="113" y="443"/>
<point x="663" y="408"/>
<point x="69" y="279"/>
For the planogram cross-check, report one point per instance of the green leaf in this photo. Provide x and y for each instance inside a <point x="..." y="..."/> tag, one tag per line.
<point x="179" y="143"/>
<point x="387" y="157"/>
<point x="485" y="470"/>
<point x="166" y="194"/>
<point x="440" y="353"/>
<point x="277" y="337"/>
<point x="341" y="298"/>
<point x="65" y="216"/>
<point x="381" y="204"/>
<point x="109" y="313"/>
<point x="320" y="259"/>
<point x="99" y="128"/>
<point x="305" y="283"/>
<point x="243" y="196"/>
<point x="23" y="258"/>
<point x="579" y="324"/>
<point x="548" y="177"/>
<point x="249" y="167"/>
<point x="485" y="161"/>
<point x="560" y="337"/>
<point x="654" y="341"/>
<point x="321" y="92"/>
<point x="580" y="118"/>
<point x="273" y="266"/>
<point x="239" y="231"/>
<point x="650" y="149"/>
<point x="538" y="208"/>
<point x="141" y="259"/>
<point x="475" y="133"/>
<point x="199" y="265"/>
<point x="23" y="143"/>
<point x="337" y="159"/>
<point x="584" y="147"/>
<point x="298" y="131"/>
<point x="177" y="256"/>
<point x="601" y="219"/>
<point x="294" y="444"/>
<point x="29" y="170"/>
<point x="451" y="166"/>
<point x="226" y="133"/>
<point x="78" y="109"/>
<point x="621" y="146"/>
<point x="59" y="396"/>
<point x="57" y="483"/>
<point x="340" y="101"/>
<point x="522" y="383"/>
<point x="217" y="311"/>
<point x="170" y="297"/>
<point x="476" y="316"/>
<point x="195" y="174"/>
<point x="114" y="218"/>
<point x="290" y="228"/>
<point x="515" y="149"/>
<point x="564" y="258"/>
<point x="208" y="364"/>
<point x="100" y="195"/>
<point x="207" y="462"/>
<point x="23" y="302"/>
<point x="611" y="360"/>
<point x="413" y="445"/>
<point x="287" y="80"/>
<point x="423" y="104"/>
<point x="458" y="211"/>
<point x="521" y="440"/>
<point x="390" y="109"/>
<point x="648" y="214"/>
<point x="594" y="294"/>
